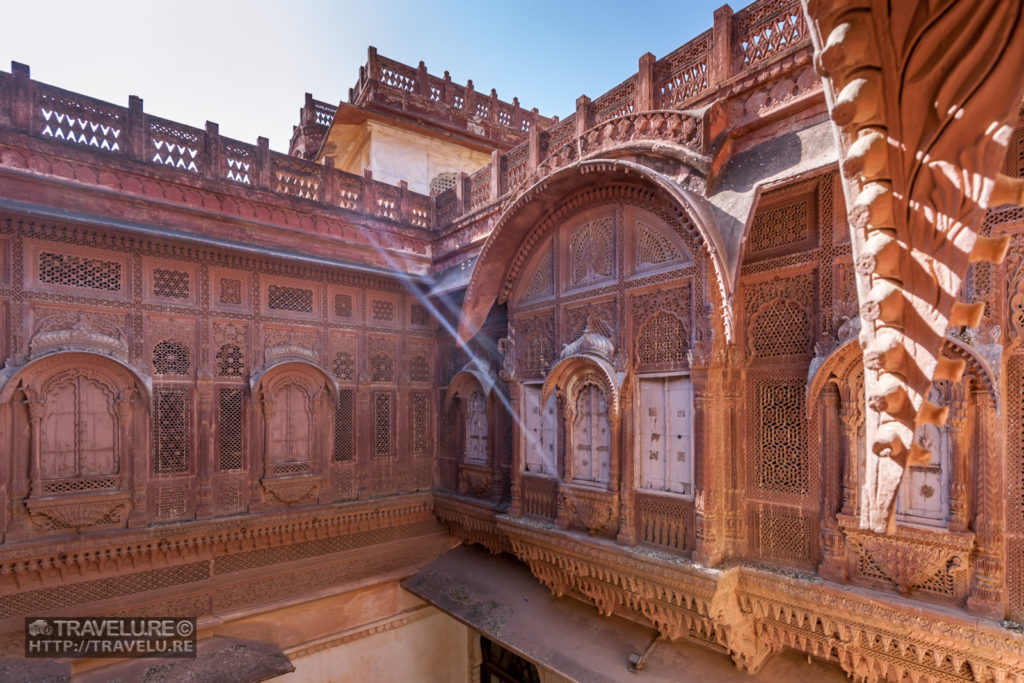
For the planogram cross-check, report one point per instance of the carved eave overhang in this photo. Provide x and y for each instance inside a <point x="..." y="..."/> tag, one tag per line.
<point x="923" y="96"/>
<point x="285" y="361"/>
<point x="591" y="351"/>
<point x="81" y="336"/>
<point x="477" y="371"/>
<point x="537" y="210"/>
<point x="13" y="370"/>
<point x="751" y="612"/>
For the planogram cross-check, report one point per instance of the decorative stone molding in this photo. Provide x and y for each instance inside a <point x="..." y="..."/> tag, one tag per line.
<point x="752" y="612"/>
<point x="75" y="514"/>
<point x="476" y="480"/>
<point x="292" y="491"/>
<point x="921" y="124"/>
<point x="596" y="510"/>
<point x="291" y="349"/>
<point x="81" y="334"/>
<point x="472" y="521"/>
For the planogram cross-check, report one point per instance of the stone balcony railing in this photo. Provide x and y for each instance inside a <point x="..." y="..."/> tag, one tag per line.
<point x="737" y="46"/>
<point x="50" y="113"/>
<point x="390" y="85"/>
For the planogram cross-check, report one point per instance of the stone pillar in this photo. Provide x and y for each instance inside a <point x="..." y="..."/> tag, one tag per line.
<point x="645" y="95"/>
<point x="833" y="565"/>
<point x="987" y="592"/>
<point x="516" y="456"/>
<point x="626" y="472"/>
<point x="36" y="411"/>
<point x="849" y="415"/>
<point x="208" y="431"/>
<point x="213" y="168"/>
<point x="959" y="493"/>
<point x="260" y="465"/>
<point x="708" y="543"/>
<point x="720" y="64"/>
<point x="582" y="115"/>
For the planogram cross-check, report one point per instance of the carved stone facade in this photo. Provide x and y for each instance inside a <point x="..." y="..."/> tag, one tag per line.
<point x="648" y="350"/>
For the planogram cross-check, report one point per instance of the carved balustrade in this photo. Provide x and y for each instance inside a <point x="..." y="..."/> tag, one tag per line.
<point x="738" y="46"/>
<point x="49" y="113"/>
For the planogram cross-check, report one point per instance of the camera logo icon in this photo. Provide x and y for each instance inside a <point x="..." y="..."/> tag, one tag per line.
<point x="40" y="627"/>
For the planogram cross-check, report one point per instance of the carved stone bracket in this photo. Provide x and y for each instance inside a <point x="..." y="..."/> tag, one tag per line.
<point x="596" y="510"/>
<point x="75" y="514"/>
<point x="292" y="491"/>
<point x="922" y="121"/>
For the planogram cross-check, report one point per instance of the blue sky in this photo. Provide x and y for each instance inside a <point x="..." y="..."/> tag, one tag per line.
<point x="247" y="64"/>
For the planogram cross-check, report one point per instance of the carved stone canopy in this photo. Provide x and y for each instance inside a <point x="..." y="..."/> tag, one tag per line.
<point x="590" y="343"/>
<point x="290" y="350"/>
<point x="80" y="336"/>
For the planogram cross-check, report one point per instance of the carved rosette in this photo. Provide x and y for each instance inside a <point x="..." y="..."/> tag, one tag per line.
<point x="922" y="95"/>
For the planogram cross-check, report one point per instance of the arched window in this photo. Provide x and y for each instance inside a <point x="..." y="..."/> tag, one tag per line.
<point x="591" y="433"/>
<point x="291" y="430"/>
<point x="79" y="431"/>
<point x="476" y="428"/>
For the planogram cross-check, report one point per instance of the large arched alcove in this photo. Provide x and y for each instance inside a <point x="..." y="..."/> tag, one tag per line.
<point x="75" y="444"/>
<point x="610" y="249"/>
<point x="296" y="419"/>
<point x="940" y="503"/>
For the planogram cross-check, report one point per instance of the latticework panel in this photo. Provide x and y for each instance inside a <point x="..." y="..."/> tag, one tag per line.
<point x="171" y="357"/>
<point x="419" y="419"/>
<point x="172" y="429"/>
<point x="60" y="598"/>
<point x="1015" y="445"/>
<point x="343" y="305"/>
<point x="782" y="328"/>
<point x="171" y="499"/>
<point x="592" y="252"/>
<point x="382" y="368"/>
<point x="1015" y="577"/>
<point x="282" y="298"/>
<point x="419" y="368"/>
<point x="662" y="339"/>
<point x="344" y="366"/>
<point x="383" y="431"/>
<point x="77" y="271"/>
<point x="172" y="284"/>
<point x="1015" y="477"/>
<point x="778" y="418"/>
<point x="231" y="410"/>
<point x="382" y="310"/>
<point x="653" y="248"/>
<point x="344" y="426"/>
<point x="229" y="291"/>
<point x="782" y="533"/>
<point x="229" y="361"/>
<point x="783" y="227"/>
